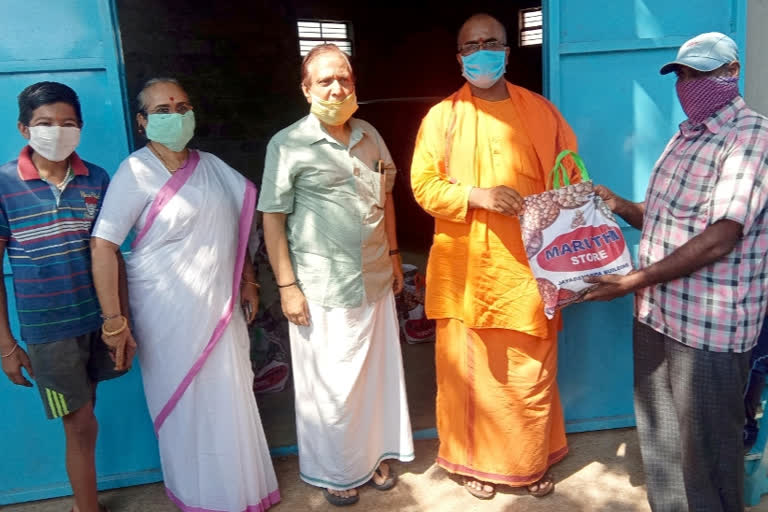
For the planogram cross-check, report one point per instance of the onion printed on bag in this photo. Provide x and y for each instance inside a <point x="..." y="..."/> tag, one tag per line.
<point x="569" y="233"/>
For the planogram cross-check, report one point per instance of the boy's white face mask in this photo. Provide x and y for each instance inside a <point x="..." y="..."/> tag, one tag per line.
<point x="54" y="143"/>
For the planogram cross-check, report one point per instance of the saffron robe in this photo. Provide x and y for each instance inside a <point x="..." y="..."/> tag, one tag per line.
<point x="496" y="352"/>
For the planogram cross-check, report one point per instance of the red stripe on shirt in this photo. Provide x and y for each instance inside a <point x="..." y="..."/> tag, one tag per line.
<point x="52" y="278"/>
<point x="38" y="189"/>
<point x="38" y="295"/>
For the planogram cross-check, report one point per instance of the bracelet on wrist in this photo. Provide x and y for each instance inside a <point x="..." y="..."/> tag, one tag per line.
<point x="288" y="285"/>
<point x="109" y="333"/>
<point x="392" y="252"/>
<point x="110" y="317"/>
<point x="9" y="354"/>
<point x="257" y="285"/>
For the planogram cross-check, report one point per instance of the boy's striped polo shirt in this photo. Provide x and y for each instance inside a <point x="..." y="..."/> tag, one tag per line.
<point x="48" y="246"/>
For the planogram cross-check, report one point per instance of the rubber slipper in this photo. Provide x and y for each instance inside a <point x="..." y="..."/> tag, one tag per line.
<point x="387" y="484"/>
<point x="544" y="486"/>
<point x="480" y="494"/>
<point x="340" y="501"/>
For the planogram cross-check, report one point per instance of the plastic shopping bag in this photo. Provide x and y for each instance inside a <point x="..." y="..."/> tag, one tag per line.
<point x="569" y="233"/>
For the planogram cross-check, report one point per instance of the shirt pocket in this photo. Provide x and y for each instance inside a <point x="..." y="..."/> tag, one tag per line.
<point x="689" y="189"/>
<point x="372" y="184"/>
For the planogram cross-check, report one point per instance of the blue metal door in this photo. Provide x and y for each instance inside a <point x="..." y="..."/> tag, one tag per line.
<point x="601" y="62"/>
<point x="75" y="42"/>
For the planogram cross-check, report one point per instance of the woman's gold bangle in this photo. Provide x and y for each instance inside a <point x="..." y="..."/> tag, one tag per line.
<point x="257" y="285"/>
<point x="123" y="327"/>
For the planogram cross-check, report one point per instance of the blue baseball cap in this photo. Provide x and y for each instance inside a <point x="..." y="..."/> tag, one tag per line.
<point x="705" y="52"/>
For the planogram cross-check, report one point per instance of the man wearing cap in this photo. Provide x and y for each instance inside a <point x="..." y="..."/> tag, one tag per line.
<point x="701" y="286"/>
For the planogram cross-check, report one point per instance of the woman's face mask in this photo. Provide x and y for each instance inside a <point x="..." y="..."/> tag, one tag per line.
<point x="173" y="131"/>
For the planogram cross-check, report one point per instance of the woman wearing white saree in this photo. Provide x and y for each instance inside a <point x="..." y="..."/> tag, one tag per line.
<point x="188" y="274"/>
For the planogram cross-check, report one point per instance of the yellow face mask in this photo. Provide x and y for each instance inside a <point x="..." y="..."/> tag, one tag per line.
<point x="334" y="113"/>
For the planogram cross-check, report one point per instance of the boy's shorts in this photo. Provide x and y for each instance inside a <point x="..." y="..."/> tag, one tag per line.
<point x="66" y="371"/>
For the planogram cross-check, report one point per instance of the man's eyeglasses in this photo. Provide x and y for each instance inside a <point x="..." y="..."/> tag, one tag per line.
<point x="470" y="48"/>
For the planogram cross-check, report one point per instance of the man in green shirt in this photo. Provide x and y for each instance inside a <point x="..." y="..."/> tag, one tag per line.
<point x="329" y="227"/>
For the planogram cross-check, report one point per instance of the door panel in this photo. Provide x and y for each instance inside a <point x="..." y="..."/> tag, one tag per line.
<point x="601" y="62"/>
<point x="74" y="42"/>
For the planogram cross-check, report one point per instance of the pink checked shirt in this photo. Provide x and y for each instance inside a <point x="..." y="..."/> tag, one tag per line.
<point x="709" y="172"/>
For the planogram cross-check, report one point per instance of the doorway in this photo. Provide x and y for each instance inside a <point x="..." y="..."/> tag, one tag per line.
<point x="240" y="63"/>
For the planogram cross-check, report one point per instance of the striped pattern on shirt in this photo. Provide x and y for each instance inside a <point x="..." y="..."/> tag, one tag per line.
<point x="47" y="243"/>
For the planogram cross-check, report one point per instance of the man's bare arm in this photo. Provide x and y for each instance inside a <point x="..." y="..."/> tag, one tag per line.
<point x="704" y="249"/>
<point x="631" y="212"/>
<point x="294" y="304"/>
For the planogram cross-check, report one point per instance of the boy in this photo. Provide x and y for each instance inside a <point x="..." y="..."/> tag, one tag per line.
<point x="49" y="199"/>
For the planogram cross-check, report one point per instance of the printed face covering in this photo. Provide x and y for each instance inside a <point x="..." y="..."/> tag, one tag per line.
<point x="702" y="97"/>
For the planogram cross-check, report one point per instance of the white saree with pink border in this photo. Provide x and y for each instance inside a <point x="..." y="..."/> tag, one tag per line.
<point x="184" y="279"/>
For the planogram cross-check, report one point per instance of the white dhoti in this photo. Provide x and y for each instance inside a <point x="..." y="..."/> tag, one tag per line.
<point x="351" y="407"/>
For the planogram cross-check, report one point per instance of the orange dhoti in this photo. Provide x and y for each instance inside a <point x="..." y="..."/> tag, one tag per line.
<point x="499" y="416"/>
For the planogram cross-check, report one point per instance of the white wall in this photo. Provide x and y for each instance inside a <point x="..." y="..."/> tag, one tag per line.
<point x="756" y="72"/>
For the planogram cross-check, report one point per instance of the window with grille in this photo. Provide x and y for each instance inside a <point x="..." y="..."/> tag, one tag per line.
<point x="313" y="33"/>
<point x="531" y="27"/>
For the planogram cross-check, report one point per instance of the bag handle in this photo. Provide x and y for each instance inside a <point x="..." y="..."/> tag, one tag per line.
<point x="559" y="173"/>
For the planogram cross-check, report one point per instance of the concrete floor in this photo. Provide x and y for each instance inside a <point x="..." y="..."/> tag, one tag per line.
<point x="601" y="474"/>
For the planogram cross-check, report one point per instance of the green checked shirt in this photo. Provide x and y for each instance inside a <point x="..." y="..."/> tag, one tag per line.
<point x="334" y="197"/>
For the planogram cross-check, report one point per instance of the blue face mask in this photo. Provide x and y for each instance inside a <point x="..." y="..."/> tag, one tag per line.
<point x="484" y="67"/>
<point x="173" y="131"/>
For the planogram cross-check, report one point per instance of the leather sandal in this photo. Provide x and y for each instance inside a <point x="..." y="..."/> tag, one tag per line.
<point x="481" y="493"/>
<point x="340" y="501"/>
<point x="389" y="483"/>
<point x="544" y="486"/>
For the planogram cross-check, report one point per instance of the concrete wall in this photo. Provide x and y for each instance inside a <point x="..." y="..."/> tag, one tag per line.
<point x="240" y="63"/>
<point x="756" y="73"/>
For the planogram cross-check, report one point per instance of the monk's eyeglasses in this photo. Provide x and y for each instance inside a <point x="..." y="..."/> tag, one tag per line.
<point x="470" y="48"/>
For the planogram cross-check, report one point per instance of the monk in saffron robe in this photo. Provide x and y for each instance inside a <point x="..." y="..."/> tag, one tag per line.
<point x="477" y="154"/>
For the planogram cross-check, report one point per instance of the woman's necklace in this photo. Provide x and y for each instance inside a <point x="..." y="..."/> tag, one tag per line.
<point x="170" y="168"/>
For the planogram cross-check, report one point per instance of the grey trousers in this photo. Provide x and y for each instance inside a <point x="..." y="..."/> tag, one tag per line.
<point x="689" y="406"/>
